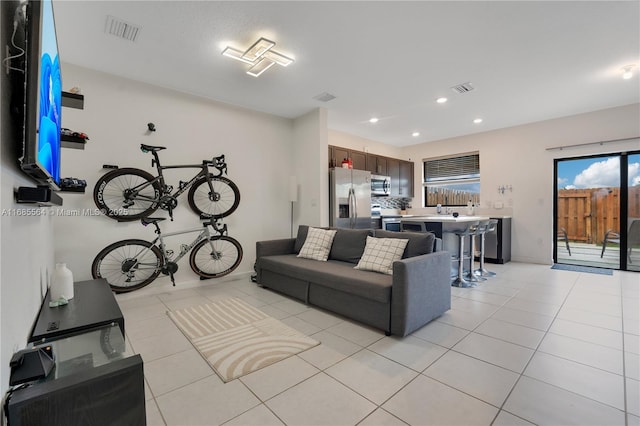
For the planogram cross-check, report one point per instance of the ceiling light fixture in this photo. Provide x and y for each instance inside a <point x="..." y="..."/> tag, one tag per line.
<point x="627" y="72"/>
<point x="441" y="100"/>
<point x="477" y="120"/>
<point x="373" y="120"/>
<point x="260" y="56"/>
<point x="415" y="134"/>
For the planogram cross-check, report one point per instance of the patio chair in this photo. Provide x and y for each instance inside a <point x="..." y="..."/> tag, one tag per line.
<point x="633" y="238"/>
<point x="562" y="236"/>
<point x="610" y="236"/>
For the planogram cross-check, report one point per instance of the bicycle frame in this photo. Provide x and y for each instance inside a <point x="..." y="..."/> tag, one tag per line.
<point x="183" y="186"/>
<point x="205" y="234"/>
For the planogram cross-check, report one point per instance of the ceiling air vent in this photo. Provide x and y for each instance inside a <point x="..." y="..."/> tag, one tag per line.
<point x="119" y="28"/>
<point x="324" y="97"/>
<point x="463" y="88"/>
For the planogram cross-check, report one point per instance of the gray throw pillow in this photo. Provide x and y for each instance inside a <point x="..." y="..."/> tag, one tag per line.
<point x="348" y="244"/>
<point x="419" y="242"/>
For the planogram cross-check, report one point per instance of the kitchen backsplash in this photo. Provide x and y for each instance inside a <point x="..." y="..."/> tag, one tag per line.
<point x="392" y="202"/>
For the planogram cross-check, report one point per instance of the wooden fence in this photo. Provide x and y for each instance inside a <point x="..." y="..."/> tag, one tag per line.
<point x="450" y="197"/>
<point x="587" y="214"/>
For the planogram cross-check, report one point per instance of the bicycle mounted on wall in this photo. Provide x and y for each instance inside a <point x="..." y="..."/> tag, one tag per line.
<point x="130" y="194"/>
<point x="131" y="264"/>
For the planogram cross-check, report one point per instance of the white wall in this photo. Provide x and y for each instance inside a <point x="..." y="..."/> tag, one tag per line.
<point x="258" y="148"/>
<point x="517" y="156"/>
<point x="26" y="265"/>
<point x="310" y="155"/>
<point x="346" y="140"/>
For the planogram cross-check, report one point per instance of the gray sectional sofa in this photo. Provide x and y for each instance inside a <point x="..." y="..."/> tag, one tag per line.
<point x="418" y="291"/>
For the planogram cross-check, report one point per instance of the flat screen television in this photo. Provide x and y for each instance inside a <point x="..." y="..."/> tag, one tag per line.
<point x="42" y="96"/>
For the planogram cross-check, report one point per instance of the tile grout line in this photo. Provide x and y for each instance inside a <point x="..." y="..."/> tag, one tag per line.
<point x="624" y="371"/>
<point x="438" y="358"/>
<point x="534" y="353"/>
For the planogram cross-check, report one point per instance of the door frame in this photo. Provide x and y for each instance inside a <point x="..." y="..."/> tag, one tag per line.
<point x="623" y="200"/>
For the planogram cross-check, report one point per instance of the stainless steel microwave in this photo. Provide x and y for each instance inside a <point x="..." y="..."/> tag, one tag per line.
<point x="380" y="185"/>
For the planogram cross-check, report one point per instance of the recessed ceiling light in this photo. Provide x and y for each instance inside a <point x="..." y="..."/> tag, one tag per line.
<point x="373" y="120"/>
<point x="415" y="134"/>
<point x="477" y="120"/>
<point x="441" y="100"/>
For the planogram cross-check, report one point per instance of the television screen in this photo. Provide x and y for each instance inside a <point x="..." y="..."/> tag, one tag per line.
<point x="43" y="96"/>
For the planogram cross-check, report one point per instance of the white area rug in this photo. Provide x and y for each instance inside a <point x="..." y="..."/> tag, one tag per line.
<point x="236" y="339"/>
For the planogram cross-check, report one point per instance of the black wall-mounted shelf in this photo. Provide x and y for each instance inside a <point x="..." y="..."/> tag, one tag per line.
<point x="72" y="142"/>
<point x="80" y="190"/>
<point x="72" y="100"/>
<point x="41" y="195"/>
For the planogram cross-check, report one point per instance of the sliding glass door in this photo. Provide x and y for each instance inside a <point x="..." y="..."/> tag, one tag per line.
<point x="633" y="216"/>
<point x="597" y="207"/>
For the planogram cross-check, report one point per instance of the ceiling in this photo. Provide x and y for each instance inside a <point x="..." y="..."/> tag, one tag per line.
<point x="527" y="61"/>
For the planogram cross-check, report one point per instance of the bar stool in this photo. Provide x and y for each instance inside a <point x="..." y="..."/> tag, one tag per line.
<point x="481" y="271"/>
<point x="480" y="230"/>
<point x="462" y="233"/>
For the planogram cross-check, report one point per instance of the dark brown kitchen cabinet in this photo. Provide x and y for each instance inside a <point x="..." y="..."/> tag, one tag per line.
<point x="406" y="179"/>
<point x="377" y="164"/>
<point x="393" y="171"/>
<point x="400" y="171"/>
<point x="372" y="163"/>
<point x="359" y="160"/>
<point x="337" y="154"/>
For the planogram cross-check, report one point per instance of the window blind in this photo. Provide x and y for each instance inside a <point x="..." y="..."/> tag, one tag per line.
<point x="452" y="168"/>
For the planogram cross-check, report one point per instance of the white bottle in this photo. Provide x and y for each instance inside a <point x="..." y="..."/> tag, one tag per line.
<point x="61" y="283"/>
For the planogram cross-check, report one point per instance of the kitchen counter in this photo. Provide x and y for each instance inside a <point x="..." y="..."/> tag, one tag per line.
<point x="444" y="227"/>
<point x="446" y="218"/>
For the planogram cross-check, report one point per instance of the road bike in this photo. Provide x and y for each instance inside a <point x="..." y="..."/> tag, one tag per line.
<point x="131" y="264"/>
<point x="129" y="194"/>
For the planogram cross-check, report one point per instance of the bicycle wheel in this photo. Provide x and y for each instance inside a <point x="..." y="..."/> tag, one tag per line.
<point x="128" y="265"/>
<point x="215" y="257"/>
<point x="220" y="203"/>
<point x="114" y="197"/>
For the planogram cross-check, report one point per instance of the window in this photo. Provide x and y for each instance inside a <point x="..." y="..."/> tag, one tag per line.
<point x="452" y="180"/>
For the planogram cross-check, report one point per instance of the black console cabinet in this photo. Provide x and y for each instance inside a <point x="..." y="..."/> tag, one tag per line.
<point x="94" y="381"/>
<point x="93" y="305"/>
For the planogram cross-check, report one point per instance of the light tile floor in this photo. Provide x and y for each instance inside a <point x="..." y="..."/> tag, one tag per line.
<point x="529" y="346"/>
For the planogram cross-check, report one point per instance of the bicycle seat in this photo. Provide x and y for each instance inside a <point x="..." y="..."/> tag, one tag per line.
<point x="147" y="148"/>
<point x="149" y="220"/>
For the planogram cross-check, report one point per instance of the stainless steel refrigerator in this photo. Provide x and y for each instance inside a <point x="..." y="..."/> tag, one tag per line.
<point x="350" y="198"/>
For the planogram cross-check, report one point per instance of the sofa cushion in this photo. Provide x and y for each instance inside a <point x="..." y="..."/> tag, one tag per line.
<point x="419" y="242"/>
<point x="317" y="244"/>
<point x="348" y="244"/>
<point x="380" y="253"/>
<point x="333" y="274"/>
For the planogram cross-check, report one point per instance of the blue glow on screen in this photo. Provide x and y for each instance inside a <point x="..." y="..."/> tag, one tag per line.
<point x="49" y="121"/>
